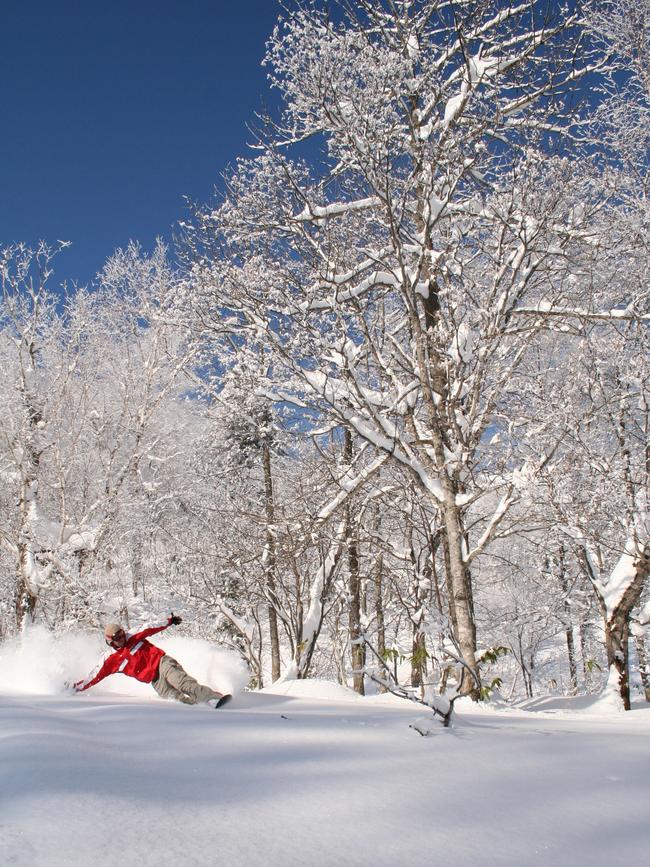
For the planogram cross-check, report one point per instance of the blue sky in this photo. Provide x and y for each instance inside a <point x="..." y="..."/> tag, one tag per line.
<point x="111" y="113"/>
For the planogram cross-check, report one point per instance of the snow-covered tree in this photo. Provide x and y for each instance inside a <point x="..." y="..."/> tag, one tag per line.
<point x="91" y="382"/>
<point x="383" y="269"/>
<point x="40" y="358"/>
<point x="599" y="479"/>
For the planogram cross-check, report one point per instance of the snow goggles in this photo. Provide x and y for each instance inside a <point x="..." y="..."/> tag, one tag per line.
<point x="110" y="639"/>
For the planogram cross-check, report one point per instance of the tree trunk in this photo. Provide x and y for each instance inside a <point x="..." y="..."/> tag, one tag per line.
<point x="26" y="594"/>
<point x="24" y="601"/>
<point x="357" y="647"/>
<point x="617" y="634"/>
<point x="379" y="611"/>
<point x="617" y="621"/>
<point x="308" y="629"/>
<point x="270" y="566"/>
<point x="582" y="631"/>
<point x="433" y="370"/>
<point x="26" y="591"/>
<point x="571" y="652"/>
<point x="358" y="650"/>
<point x="644" y="665"/>
<point x="570" y="643"/>
<point x="418" y="657"/>
<point x="459" y="580"/>
<point x="453" y="620"/>
<point x="520" y="655"/>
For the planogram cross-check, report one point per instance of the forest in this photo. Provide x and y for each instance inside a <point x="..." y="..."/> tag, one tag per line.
<point x="381" y="415"/>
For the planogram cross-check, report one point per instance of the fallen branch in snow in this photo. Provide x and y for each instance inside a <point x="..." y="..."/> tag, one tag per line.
<point x="401" y="692"/>
<point x="441" y="705"/>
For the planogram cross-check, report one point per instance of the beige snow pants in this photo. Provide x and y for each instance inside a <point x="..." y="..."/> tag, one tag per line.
<point x="174" y="682"/>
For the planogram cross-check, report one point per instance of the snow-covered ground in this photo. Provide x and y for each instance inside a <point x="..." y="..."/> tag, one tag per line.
<point x="307" y="774"/>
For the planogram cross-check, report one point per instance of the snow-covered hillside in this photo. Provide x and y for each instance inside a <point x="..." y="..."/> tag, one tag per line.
<point x="313" y="775"/>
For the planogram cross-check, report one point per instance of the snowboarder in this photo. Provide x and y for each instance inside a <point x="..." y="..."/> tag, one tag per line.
<point x="136" y="657"/>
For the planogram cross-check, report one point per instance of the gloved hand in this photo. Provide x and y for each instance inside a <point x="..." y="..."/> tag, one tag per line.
<point x="174" y="619"/>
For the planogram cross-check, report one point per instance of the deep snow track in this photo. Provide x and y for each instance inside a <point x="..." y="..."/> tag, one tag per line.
<point x="296" y="780"/>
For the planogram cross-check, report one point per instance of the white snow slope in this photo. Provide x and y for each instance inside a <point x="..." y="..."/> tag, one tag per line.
<point x="313" y="775"/>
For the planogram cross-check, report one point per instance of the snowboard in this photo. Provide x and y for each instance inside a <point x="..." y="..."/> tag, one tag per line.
<point x="223" y="700"/>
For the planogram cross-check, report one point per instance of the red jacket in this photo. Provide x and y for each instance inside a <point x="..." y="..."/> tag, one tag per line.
<point x="138" y="658"/>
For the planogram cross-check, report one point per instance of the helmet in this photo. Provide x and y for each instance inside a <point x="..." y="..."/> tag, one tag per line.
<point x="112" y="629"/>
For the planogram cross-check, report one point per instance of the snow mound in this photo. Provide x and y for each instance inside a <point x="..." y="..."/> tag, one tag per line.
<point x="326" y="690"/>
<point x="606" y="702"/>
<point x="40" y="662"/>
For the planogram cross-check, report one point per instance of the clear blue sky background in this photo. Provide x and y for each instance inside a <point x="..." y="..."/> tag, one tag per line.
<point x="112" y="112"/>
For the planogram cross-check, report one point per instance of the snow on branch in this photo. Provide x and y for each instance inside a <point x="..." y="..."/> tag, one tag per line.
<point x="623" y="314"/>
<point x="506" y="501"/>
<point x="348" y="484"/>
<point x="315" y="212"/>
<point x="377" y="278"/>
<point x="622" y="577"/>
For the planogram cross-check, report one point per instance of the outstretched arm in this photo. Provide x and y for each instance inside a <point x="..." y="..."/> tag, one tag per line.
<point x="94" y="677"/>
<point x="172" y="620"/>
